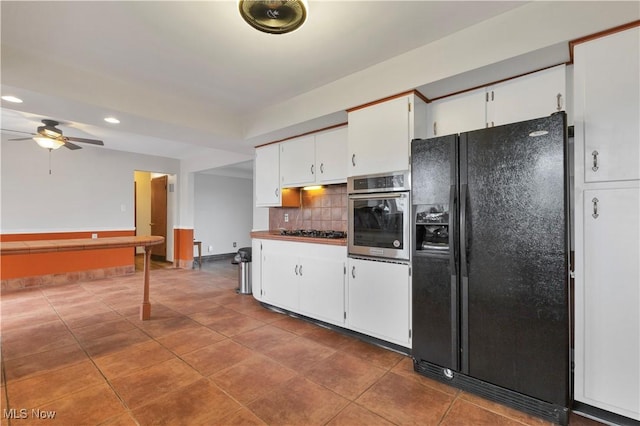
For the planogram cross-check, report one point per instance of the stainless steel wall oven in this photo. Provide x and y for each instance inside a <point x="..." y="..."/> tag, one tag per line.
<point x="379" y="216"/>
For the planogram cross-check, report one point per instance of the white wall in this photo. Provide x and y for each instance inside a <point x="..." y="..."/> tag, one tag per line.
<point x="143" y="205"/>
<point x="88" y="190"/>
<point x="223" y="213"/>
<point x="535" y="26"/>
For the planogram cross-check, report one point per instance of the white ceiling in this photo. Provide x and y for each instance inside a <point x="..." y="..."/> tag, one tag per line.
<point x="192" y="79"/>
<point x="186" y="75"/>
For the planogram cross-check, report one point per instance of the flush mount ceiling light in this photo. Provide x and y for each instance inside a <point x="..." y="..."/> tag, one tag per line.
<point x="112" y="120"/>
<point x="274" y="16"/>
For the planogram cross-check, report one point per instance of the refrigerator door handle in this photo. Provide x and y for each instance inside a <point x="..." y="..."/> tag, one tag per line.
<point x="463" y="231"/>
<point x="452" y="233"/>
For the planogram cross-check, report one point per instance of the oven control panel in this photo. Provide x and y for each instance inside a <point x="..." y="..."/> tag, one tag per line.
<point x="396" y="181"/>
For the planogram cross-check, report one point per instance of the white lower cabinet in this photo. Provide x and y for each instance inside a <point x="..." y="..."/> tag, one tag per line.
<point x="318" y="281"/>
<point x="256" y="269"/>
<point x="280" y="278"/>
<point x="607" y="298"/>
<point x="321" y="286"/>
<point x="378" y="300"/>
<point x="304" y="278"/>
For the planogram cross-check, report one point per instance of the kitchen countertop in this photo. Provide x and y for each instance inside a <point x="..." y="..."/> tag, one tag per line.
<point x="275" y="235"/>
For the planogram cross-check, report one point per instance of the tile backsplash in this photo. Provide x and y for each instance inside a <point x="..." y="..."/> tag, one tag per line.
<point x="324" y="209"/>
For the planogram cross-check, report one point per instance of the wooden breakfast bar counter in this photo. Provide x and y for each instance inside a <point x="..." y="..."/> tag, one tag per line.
<point x="77" y="244"/>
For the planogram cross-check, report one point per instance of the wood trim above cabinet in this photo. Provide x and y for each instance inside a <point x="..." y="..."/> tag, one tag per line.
<point x="600" y="34"/>
<point x="335" y="126"/>
<point x="493" y="83"/>
<point x="388" y="98"/>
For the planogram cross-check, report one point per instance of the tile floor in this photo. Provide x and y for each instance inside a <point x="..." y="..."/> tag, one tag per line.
<point x="207" y="357"/>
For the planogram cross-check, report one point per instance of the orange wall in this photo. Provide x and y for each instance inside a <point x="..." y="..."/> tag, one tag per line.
<point x="28" y="265"/>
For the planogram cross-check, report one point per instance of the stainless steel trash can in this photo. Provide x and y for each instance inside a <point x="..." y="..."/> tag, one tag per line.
<point x="243" y="259"/>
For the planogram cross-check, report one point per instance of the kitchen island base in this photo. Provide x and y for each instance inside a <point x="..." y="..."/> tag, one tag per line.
<point x="80" y="244"/>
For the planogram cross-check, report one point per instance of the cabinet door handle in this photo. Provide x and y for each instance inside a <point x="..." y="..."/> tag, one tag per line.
<point x="353" y="160"/>
<point x="353" y="271"/>
<point x="321" y="167"/>
<point x="435" y="128"/>
<point x="312" y="171"/>
<point x="277" y="191"/>
<point x="595" y="161"/>
<point x="595" y="208"/>
<point x="296" y="269"/>
<point x="300" y="270"/>
<point x="559" y="101"/>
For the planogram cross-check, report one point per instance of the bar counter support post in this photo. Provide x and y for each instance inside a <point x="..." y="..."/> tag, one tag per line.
<point x="145" y="308"/>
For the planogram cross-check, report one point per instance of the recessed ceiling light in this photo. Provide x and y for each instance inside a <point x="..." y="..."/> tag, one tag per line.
<point x="112" y="120"/>
<point x="13" y="99"/>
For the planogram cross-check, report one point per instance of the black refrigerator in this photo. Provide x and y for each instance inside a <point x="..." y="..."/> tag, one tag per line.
<point x="490" y="276"/>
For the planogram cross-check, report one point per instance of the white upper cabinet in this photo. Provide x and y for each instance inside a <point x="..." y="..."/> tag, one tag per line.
<point x="457" y="114"/>
<point x="531" y="96"/>
<point x="297" y="161"/>
<point x="314" y="159"/>
<point x="267" y="176"/>
<point x="331" y="152"/>
<point x="380" y="135"/>
<point x="607" y="106"/>
<point x="535" y="95"/>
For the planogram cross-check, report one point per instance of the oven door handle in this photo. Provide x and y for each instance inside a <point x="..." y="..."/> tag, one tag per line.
<point x="378" y="196"/>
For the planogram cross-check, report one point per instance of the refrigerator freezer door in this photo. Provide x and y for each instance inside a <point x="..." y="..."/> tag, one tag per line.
<point x="435" y="276"/>
<point x="515" y="324"/>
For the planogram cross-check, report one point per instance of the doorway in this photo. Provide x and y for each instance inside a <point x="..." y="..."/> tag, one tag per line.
<point x="159" y="216"/>
<point x="155" y="203"/>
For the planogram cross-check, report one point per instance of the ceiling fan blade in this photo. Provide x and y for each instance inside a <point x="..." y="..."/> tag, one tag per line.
<point x="84" y="140"/>
<point x="70" y="145"/>
<point x="17" y="131"/>
<point x="20" y="139"/>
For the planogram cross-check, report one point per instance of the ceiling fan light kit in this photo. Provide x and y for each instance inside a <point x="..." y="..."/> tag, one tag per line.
<point x="50" y="137"/>
<point x="47" y="142"/>
<point x="49" y="129"/>
<point x="274" y="16"/>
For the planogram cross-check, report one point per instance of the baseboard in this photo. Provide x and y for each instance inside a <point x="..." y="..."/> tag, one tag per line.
<point x="215" y="257"/>
<point x="366" y="338"/>
<point x="602" y="416"/>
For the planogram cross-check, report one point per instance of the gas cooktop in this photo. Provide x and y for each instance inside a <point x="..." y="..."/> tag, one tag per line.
<point x="313" y="233"/>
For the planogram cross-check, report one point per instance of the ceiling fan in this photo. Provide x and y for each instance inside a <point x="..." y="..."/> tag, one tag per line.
<point x="50" y="137"/>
